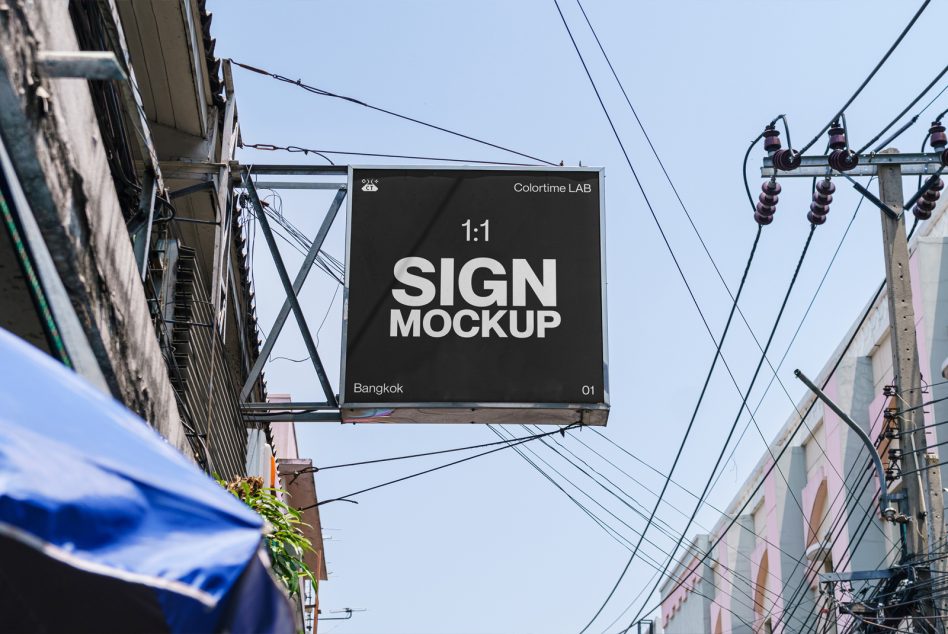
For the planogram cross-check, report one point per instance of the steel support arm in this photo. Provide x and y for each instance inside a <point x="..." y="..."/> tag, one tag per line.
<point x="885" y="506"/>
<point x="291" y="297"/>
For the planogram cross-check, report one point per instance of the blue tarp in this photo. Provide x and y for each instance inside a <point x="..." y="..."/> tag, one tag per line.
<point x="89" y="485"/>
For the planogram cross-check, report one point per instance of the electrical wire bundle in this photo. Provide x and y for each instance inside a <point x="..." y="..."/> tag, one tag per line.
<point x="637" y="542"/>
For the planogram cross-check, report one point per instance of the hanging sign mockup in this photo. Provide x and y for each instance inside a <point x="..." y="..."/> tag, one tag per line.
<point x="475" y="295"/>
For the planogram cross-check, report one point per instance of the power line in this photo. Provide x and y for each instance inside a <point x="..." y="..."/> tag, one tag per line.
<point x="872" y="74"/>
<point x="358" y="102"/>
<point x="851" y="550"/>
<point x="612" y="532"/>
<point x="786" y="446"/>
<point x="770" y="338"/>
<point x="682" y="488"/>
<point x="849" y="343"/>
<point x="651" y="146"/>
<point x="647" y="558"/>
<point x="615" y="487"/>
<point x="906" y="109"/>
<point x="619" y="537"/>
<point x="844" y="489"/>
<point x="423" y="454"/>
<point x="688" y="215"/>
<point x="346" y="498"/>
<point x="796" y="333"/>
<point x="680" y="272"/>
<point x="691" y="220"/>
<point x="269" y="147"/>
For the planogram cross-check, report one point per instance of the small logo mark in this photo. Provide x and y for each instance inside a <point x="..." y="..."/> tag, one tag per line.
<point x="370" y="184"/>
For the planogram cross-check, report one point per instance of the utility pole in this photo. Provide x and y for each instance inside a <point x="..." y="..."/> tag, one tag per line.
<point x="923" y="567"/>
<point x="923" y="485"/>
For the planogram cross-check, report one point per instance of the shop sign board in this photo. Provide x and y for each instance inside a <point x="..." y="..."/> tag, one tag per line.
<point x="475" y="296"/>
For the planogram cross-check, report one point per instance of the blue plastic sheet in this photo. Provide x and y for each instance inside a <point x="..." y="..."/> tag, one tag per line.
<point x="89" y="485"/>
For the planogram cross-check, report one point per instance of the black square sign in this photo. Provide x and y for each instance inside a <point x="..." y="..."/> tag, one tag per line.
<point x="475" y="295"/>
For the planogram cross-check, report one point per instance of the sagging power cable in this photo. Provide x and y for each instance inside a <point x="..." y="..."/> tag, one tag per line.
<point x="648" y="559"/>
<point x="423" y="454"/>
<point x="905" y="110"/>
<point x="763" y="477"/>
<point x="269" y="147"/>
<point x="786" y="127"/>
<point x="325" y="93"/>
<point x="683" y="277"/>
<point x="348" y="496"/>
<point x="866" y="81"/>
<point x="750" y="387"/>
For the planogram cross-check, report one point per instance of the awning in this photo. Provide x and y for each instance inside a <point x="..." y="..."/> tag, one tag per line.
<point x="106" y="527"/>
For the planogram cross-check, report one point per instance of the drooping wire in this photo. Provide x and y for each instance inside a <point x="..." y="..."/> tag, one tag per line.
<point x="872" y="74"/>
<point x="648" y="559"/>
<point x="269" y="147"/>
<point x="348" y="496"/>
<point x="796" y="333"/>
<point x="425" y="454"/>
<point x="851" y="550"/>
<point x="675" y="190"/>
<point x="612" y="532"/>
<point x="760" y="363"/>
<point x="358" y="102"/>
<point x="651" y="146"/>
<point x="763" y="478"/>
<point x="681" y="202"/>
<point x="846" y="491"/>
<point x="803" y="417"/>
<point x="906" y="109"/>
<point x="668" y="247"/>
<point x="622" y="495"/>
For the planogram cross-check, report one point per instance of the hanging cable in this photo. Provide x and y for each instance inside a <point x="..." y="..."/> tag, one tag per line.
<point x="671" y="252"/>
<point x="844" y="490"/>
<point x="751" y="496"/>
<point x="769" y="189"/>
<point x="616" y="488"/>
<point x="750" y="387"/>
<point x="358" y="102"/>
<point x="346" y="498"/>
<point x="902" y="114"/>
<point x="646" y="558"/>
<point x="658" y="159"/>
<point x="796" y="333"/>
<point x="268" y="147"/>
<point x="839" y="527"/>
<point x="418" y="455"/>
<point x="872" y="74"/>
<point x="612" y="532"/>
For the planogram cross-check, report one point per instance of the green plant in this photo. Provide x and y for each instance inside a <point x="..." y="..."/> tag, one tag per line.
<point x="284" y="537"/>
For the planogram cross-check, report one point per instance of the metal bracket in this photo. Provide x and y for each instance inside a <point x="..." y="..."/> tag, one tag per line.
<point x="810" y="166"/>
<point x="301" y="412"/>
<point x="891" y="213"/>
<point x="292" y="291"/>
<point x="141" y="229"/>
<point x="888" y="512"/>
<point x="80" y="65"/>
<point x="860" y="575"/>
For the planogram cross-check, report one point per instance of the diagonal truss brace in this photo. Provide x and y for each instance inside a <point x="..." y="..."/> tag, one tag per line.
<point x="292" y="291"/>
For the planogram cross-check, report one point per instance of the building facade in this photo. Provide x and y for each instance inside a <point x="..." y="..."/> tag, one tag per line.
<point x="122" y="248"/>
<point x="816" y="511"/>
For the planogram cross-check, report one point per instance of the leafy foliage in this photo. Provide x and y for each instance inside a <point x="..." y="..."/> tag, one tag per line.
<point x="284" y="531"/>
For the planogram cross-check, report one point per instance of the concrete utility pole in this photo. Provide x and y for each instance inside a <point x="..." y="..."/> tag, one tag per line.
<point x="922" y="569"/>
<point x="923" y="484"/>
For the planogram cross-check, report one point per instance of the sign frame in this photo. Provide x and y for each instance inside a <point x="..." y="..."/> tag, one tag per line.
<point x="565" y="413"/>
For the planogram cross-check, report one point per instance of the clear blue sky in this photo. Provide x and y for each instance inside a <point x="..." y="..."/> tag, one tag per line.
<point x="490" y="546"/>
